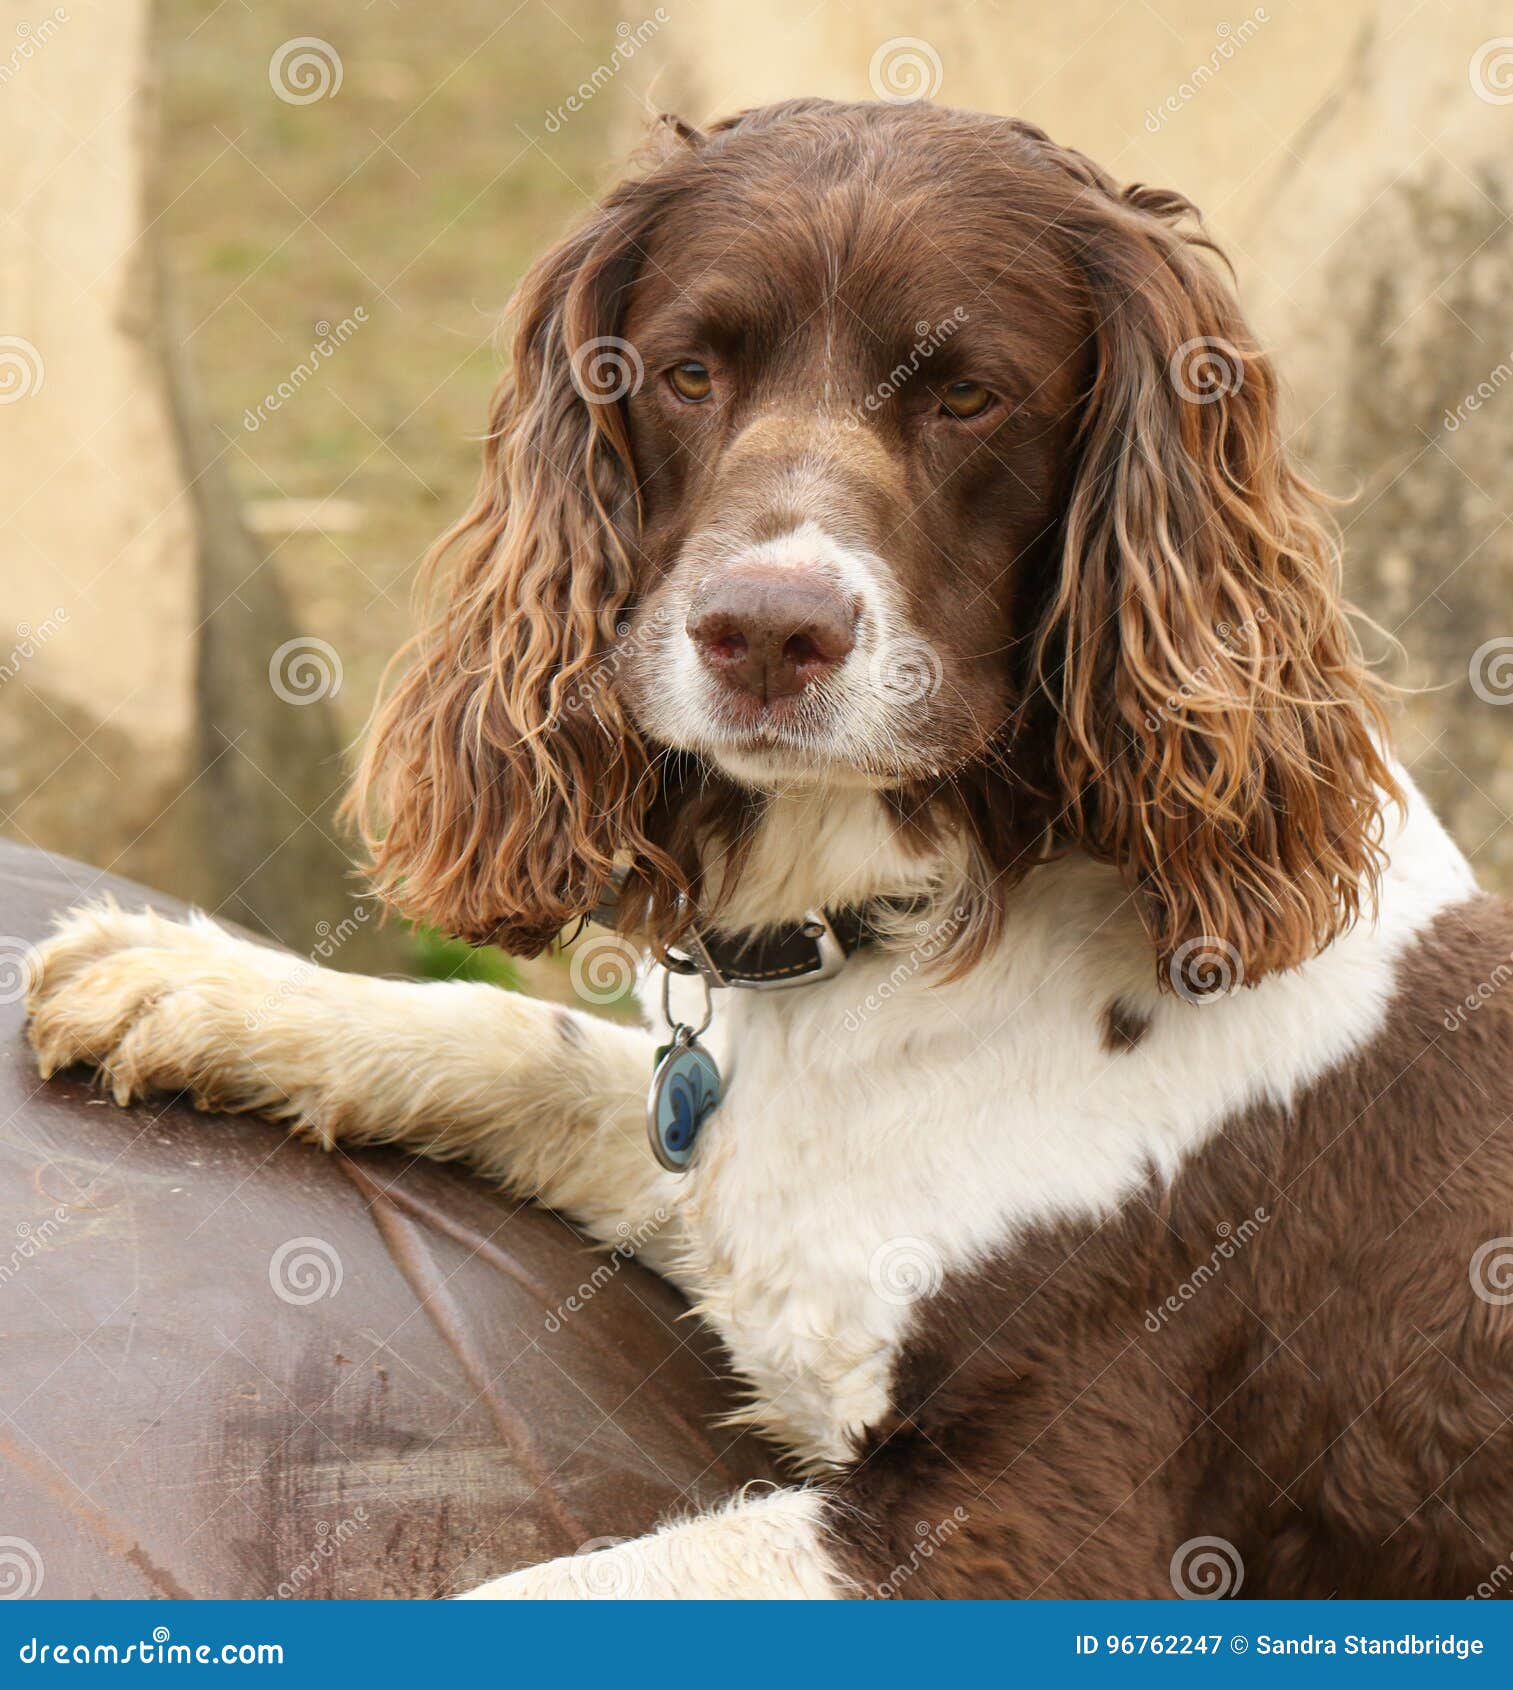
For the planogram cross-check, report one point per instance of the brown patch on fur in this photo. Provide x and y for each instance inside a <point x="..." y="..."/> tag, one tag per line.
<point x="1122" y="1028"/>
<point x="568" y="1029"/>
<point x="1330" y="1396"/>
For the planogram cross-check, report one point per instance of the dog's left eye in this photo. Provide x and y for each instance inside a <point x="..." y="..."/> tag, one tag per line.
<point x="691" y="381"/>
<point x="965" y="399"/>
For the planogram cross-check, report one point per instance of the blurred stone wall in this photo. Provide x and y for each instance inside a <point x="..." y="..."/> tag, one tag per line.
<point x="1356" y="160"/>
<point x="158" y="714"/>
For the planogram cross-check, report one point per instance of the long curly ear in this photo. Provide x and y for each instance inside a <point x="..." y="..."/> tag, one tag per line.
<point x="500" y="781"/>
<point x="1217" y="730"/>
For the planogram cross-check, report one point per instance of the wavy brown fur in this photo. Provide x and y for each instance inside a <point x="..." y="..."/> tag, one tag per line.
<point x="1234" y="778"/>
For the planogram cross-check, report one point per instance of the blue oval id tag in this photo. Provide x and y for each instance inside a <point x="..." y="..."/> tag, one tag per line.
<point x="685" y="1092"/>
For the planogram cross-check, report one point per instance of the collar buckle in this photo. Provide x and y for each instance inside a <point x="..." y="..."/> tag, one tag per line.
<point x="828" y="952"/>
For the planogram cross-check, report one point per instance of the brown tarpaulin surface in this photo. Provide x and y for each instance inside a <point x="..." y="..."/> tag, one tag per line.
<point x="171" y="1426"/>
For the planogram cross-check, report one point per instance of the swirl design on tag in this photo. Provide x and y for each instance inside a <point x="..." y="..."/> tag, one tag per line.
<point x="685" y="1092"/>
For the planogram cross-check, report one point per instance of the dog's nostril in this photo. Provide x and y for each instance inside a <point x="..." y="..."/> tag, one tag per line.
<point x="771" y="631"/>
<point x="727" y="648"/>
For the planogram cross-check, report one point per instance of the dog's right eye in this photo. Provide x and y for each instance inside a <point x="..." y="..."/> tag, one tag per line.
<point x="691" y="381"/>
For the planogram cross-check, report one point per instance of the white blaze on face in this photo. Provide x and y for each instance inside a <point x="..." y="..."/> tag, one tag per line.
<point x="845" y="716"/>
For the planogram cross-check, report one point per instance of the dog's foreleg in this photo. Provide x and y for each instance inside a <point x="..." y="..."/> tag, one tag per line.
<point x="768" y="1545"/>
<point x="541" y="1098"/>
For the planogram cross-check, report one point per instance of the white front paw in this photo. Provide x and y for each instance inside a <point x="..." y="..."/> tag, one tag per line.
<point x="159" y="1005"/>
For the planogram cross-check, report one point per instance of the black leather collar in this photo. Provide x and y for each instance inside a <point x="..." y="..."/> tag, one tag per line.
<point x="793" y="954"/>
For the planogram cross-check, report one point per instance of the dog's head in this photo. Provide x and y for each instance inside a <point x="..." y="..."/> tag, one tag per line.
<point x="894" y="447"/>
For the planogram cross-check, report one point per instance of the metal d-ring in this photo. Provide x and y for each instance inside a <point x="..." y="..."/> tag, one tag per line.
<point x="679" y="1026"/>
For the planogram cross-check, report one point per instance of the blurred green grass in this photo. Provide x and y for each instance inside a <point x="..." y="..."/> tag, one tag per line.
<point x="419" y="191"/>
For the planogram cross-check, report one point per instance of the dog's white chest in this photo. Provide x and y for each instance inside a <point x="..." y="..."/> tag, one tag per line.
<point x="883" y="1130"/>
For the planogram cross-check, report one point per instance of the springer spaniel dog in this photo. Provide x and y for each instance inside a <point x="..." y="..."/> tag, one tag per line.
<point x="1082" y="1098"/>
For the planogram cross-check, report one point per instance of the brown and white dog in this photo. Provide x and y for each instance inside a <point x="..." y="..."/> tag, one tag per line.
<point x="884" y="505"/>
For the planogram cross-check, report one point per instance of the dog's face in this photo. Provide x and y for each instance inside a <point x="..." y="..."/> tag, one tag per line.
<point x="851" y="436"/>
<point x="894" y="447"/>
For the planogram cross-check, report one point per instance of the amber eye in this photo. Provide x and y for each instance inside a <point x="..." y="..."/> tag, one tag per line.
<point x="691" y="381"/>
<point x="965" y="399"/>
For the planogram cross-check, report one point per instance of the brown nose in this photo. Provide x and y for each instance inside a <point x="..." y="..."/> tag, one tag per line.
<point x="771" y="630"/>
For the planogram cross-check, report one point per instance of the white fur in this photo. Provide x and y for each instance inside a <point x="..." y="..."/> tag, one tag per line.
<point x="884" y="1128"/>
<point x="764" y="1546"/>
<point x="858" y="725"/>
<point x="879" y="1130"/>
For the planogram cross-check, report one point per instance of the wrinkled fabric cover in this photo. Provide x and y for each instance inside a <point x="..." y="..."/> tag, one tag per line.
<point x="170" y="1425"/>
